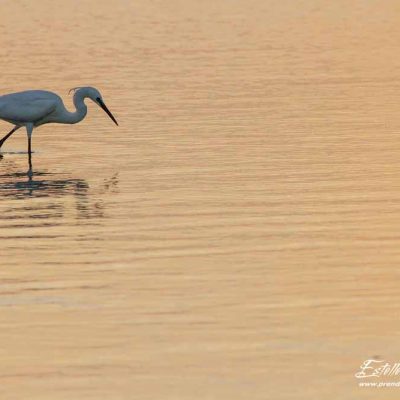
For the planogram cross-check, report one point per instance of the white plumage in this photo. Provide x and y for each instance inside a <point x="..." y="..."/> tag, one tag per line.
<point x="33" y="108"/>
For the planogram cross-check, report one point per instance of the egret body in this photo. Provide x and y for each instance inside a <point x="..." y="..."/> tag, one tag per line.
<point x="33" y="108"/>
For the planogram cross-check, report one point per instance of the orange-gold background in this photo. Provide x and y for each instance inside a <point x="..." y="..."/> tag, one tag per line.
<point x="237" y="237"/>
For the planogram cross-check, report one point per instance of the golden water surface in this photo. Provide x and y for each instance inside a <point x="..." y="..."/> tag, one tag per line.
<point x="237" y="236"/>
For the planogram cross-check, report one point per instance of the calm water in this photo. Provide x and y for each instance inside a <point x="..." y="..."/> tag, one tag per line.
<point x="237" y="237"/>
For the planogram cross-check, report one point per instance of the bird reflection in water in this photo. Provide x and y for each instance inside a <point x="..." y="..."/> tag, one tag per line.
<point x="40" y="184"/>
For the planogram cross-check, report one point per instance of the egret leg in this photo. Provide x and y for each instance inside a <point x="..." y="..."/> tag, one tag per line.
<point x="29" y="130"/>
<point x="8" y="135"/>
<point x="30" y="172"/>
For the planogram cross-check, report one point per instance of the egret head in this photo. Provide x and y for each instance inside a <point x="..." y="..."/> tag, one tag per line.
<point x="94" y="95"/>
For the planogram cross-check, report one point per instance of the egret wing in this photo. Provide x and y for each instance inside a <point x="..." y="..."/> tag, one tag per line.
<point x="22" y="108"/>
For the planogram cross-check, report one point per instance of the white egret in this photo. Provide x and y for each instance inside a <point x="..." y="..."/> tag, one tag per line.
<point x="33" y="108"/>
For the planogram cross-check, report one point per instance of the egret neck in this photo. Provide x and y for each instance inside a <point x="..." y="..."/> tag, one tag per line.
<point x="81" y="109"/>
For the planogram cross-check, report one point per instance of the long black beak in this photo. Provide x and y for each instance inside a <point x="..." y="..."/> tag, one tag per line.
<point x="104" y="107"/>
